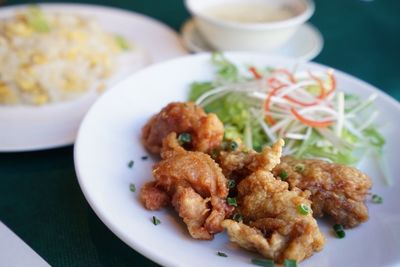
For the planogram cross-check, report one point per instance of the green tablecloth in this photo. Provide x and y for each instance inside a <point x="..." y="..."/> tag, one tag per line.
<point x="40" y="198"/>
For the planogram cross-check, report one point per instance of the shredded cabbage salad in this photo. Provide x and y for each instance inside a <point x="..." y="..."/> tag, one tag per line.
<point x="303" y="107"/>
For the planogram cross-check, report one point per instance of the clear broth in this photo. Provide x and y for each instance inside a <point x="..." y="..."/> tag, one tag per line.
<point x="251" y="13"/>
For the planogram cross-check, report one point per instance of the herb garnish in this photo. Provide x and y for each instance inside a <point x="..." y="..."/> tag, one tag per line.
<point x="121" y="42"/>
<point x="222" y="254"/>
<point x="377" y="199"/>
<point x="132" y="187"/>
<point x="130" y="164"/>
<point x="283" y="175"/>
<point x="289" y="263"/>
<point x="231" y="183"/>
<point x="155" y="220"/>
<point x="263" y="262"/>
<point x="339" y="231"/>
<point x="185" y="138"/>
<point x="237" y="217"/>
<point x="303" y="209"/>
<point x="233" y="145"/>
<point x="231" y="201"/>
<point x="299" y="167"/>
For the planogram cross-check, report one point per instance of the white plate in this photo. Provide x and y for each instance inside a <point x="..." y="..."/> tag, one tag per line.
<point x="304" y="45"/>
<point x="25" y="128"/>
<point x="109" y="138"/>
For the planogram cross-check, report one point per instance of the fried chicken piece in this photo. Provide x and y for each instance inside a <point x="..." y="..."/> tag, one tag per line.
<point x="207" y="130"/>
<point x="195" y="184"/>
<point x="336" y="190"/>
<point x="194" y="211"/>
<point x="152" y="197"/>
<point x="241" y="162"/>
<point x="272" y="223"/>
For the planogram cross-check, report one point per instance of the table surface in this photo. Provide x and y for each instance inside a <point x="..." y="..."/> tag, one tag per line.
<point x="40" y="198"/>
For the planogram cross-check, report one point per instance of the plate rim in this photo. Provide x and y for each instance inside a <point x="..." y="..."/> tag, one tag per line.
<point x="134" y="244"/>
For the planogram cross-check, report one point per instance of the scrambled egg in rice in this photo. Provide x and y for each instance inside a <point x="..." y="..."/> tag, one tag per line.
<point x="53" y="57"/>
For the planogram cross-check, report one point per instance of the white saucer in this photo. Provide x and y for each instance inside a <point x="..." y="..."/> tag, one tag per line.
<point x="304" y="45"/>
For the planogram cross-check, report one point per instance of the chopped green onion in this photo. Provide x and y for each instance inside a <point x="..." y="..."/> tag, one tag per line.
<point x="131" y="163"/>
<point x="185" y="138"/>
<point x="337" y="227"/>
<point x="303" y="209"/>
<point x="214" y="153"/>
<point x="122" y="43"/>
<point x="132" y="187"/>
<point x="237" y="217"/>
<point x="299" y="167"/>
<point x="289" y="263"/>
<point x="263" y="262"/>
<point x="283" y="175"/>
<point x="340" y="234"/>
<point x="233" y="145"/>
<point x="37" y="19"/>
<point x="221" y="254"/>
<point x="145" y="157"/>
<point x="377" y="199"/>
<point x="231" y="183"/>
<point x="155" y="220"/>
<point x="230" y="145"/>
<point x="231" y="201"/>
<point x="339" y="231"/>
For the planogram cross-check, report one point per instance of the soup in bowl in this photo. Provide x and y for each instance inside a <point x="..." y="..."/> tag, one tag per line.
<point x="255" y="25"/>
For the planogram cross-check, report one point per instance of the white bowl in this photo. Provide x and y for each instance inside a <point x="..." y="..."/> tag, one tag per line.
<point x="252" y="36"/>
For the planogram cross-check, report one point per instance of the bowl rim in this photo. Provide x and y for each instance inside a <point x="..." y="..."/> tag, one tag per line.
<point x="292" y="21"/>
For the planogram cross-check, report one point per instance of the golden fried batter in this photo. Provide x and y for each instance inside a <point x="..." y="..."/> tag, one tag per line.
<point x="152" y="197"/>
<point x="206" y="130"/>
<point x="276" y="199"/>
<point x="241" y="162"/>
<point x="194" y="211"/>
<point x="272" y="223"/>
<point x="196" y="185"/>
<point x="336" y="190"/>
